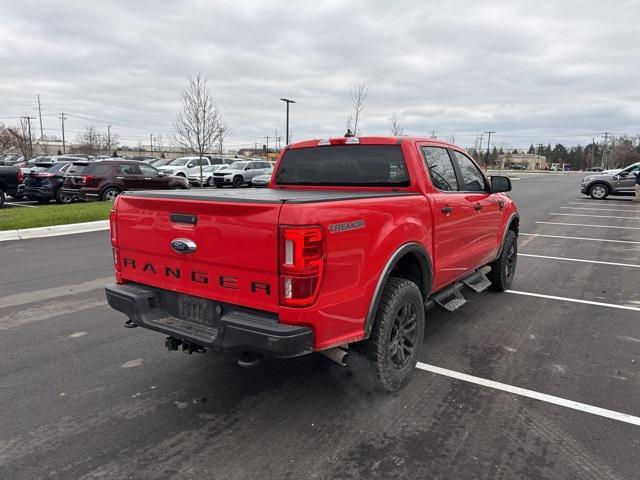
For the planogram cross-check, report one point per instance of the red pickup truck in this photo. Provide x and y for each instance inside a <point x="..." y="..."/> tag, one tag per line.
<point x="352" y="242"/>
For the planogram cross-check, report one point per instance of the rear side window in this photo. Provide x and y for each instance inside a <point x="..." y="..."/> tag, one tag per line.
<point x="98" y="169"/>
<point x="471" y="175"/>
<point x="441" y="171"/>
<point x="344" y="165"/>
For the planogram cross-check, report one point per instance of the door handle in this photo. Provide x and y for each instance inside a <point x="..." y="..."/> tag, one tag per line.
<point x="120" y="178"/>
<point x="147" y="178"/>
<point x="446" y="210"/>
<point x="477" y="207"/>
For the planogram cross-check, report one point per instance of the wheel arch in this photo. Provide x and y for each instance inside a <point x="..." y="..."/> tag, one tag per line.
<point x="410" y="261"/>
<point x="512" y="224"/>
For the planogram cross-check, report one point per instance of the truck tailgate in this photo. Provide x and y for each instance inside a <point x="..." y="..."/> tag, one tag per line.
<point x="236" y="253"/>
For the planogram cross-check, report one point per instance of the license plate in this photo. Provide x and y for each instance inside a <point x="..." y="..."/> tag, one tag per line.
<point x="197" y="310"/>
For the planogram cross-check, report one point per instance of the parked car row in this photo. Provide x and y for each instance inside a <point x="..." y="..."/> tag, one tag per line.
<point x="66" y="179"/>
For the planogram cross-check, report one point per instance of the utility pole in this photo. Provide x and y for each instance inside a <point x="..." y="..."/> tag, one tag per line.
<point x="275" y="139"/>
<point x="109" y="139"/>
<point x="279" y="142"/>
<point x="433" y="134"/>
<point x="151" y="142"/>
<point x="480" y="147"/>
<point x="267" y="143"/>
<point x="538" y="154"/>
<point x="287" y="101"/>
<point x="488" y="145"/>
<point x="604" y="150"/>
<point x="28" y="119"/>
<point x="64" y="147"/>
<point x="40" y="115"/>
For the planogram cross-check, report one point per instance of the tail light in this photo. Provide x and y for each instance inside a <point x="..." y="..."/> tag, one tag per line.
<point x="302" y="263"/>
<point x="19" y="176"/>
<point x="86" y="179"/>
<point x="113" y="227"/>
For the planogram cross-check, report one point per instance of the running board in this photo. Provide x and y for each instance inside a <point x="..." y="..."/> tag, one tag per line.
<point x="478" y="280"/>
<point x="450" y="299"/>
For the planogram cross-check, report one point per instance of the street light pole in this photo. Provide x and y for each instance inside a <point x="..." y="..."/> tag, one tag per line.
<point x="287" y="101"/>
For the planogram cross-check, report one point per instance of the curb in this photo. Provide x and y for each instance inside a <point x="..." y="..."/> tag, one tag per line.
<point x="54" y="231"/>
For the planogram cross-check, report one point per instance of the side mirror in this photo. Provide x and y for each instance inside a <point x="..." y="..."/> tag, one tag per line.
<point x="190" y="165"/>
<point x="500" y="184"/>
<point x="161" y="174"/>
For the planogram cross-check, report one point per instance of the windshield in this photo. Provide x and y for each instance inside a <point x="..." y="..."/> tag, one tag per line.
<point x="178" y="162"/>
<point x="236" y="166"/>
<point x="162" y="162"/>
<point x="344" y="165"/>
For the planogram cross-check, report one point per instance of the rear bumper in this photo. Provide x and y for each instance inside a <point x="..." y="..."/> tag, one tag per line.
<point x="81" y="194"/>
<point x="38" y="192"/>
<point x="234" y="330"/>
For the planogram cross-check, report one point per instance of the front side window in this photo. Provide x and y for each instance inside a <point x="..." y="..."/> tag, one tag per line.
<point x="148" y="170"/>
<point x="129" y="169"/>
<point x="441" y="171"/>
<point x="471" y="175"/>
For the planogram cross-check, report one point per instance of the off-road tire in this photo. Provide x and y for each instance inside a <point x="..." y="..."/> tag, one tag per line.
<point x="387" y="340"/>
<point x="210" y="182"/>
<point x="109" y="194"/>
<point x="503" y="268"/>
<point x="238" y="182"/>
<point x="599" y="191"/>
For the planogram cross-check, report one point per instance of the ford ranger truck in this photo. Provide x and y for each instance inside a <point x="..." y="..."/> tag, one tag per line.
<point x="352" y="242"/>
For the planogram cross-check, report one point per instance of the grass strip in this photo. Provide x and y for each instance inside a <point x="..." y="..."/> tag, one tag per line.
<point x="47" y="215"/>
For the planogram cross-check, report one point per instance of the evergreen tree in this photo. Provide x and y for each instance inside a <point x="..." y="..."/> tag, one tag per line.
<point x="531" y="149"/>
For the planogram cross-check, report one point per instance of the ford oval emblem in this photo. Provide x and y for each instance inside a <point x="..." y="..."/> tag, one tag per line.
<point x="183" y="245"/>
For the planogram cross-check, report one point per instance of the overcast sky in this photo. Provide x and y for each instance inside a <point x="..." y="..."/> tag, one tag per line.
<point x="533" y="71"/>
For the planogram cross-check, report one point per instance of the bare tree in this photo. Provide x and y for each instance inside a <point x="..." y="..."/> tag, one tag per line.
<point x="223" y="131"/>
<point x="358" y="99"/>
<point x="197" y="126"/>
<point x="397" y="130"/>
<point x="21" y="139"/>
<point x="6" y="138"/>
<point x="90" y="141"/>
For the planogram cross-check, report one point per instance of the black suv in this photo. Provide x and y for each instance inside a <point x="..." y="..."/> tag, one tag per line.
<point x="106" y="179"/>
<point x="43" y="182"/>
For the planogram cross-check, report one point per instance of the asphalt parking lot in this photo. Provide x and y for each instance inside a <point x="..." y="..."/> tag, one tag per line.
<point x="539" y="382"/>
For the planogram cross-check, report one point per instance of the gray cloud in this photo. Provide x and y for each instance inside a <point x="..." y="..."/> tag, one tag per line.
<point x="533" y="72"/>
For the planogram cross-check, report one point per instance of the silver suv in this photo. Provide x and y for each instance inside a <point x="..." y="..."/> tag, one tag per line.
<point x="601" y="185"/>
<point x="240" y="173"/>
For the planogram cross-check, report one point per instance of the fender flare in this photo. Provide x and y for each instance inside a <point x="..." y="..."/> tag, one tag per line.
<point x="513" y="217"/>
<point x="427" y="268"/>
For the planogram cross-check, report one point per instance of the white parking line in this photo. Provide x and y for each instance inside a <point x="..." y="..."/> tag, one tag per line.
<point x="585" y="225"/>
<point x="594" y="216"/>
<point x="578" y="238"/>
<point x="579" y="260"/>
<point x="575" y="300"/>
<point x="605" y="202"/>
<point x="19" y="205"/>
<point x="602" y="209"/>
<point x="523" y="392"/>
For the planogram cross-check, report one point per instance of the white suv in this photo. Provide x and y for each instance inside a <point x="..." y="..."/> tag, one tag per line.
<point x="185" y="166"/>
<point x="240" y="173"/>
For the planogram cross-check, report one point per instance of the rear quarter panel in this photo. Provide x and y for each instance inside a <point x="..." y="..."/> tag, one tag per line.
<point x="355" y="258"/>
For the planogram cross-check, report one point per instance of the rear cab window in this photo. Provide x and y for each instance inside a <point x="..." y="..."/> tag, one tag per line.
<point x="344" y="166"/>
